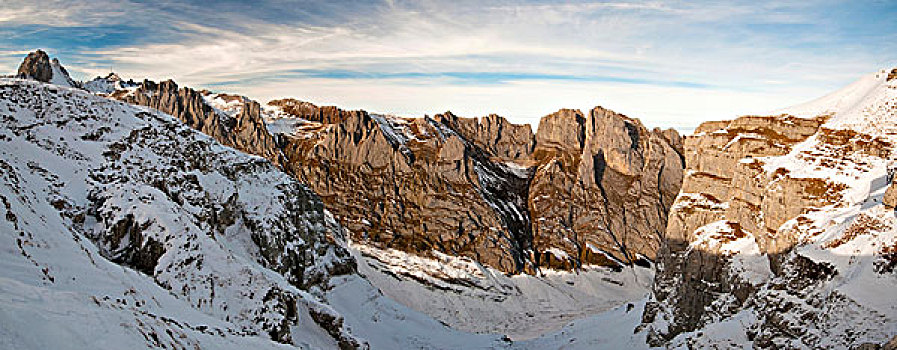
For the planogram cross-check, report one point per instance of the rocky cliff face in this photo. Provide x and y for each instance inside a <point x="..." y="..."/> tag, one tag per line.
<point x="490" y="190"/>
<point x="778" y="224"/>
<point x="601" y="189"/>
<point x="494" y="135"/>
<point x="411" y="184"/>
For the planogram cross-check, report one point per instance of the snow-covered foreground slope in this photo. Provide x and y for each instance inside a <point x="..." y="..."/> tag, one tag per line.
<point x="120" y="221"/>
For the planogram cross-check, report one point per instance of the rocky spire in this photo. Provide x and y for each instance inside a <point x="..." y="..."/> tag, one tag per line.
<point x="36" y="66"/>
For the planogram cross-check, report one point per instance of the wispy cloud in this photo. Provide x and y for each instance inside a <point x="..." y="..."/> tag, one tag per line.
<point x="664" y="61"/>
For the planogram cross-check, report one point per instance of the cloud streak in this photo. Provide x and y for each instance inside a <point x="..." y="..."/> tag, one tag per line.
<point x="426" y="56"/>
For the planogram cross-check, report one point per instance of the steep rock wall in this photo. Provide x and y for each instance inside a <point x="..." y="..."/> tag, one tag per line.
<point x="602" y="188"/>
<point x="582" y="191"/>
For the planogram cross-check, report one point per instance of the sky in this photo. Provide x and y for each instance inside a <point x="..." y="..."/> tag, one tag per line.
<point x="669" y="63"/>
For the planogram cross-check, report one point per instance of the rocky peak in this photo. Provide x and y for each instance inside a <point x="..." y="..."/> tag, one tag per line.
<point x="892" y="75"/>
<point x="108" y="85"/>
<point x="564" y="129"/>
<point x="36" y="66"/>
<point x="296" y="108"/>
<point x="620" y="138"/>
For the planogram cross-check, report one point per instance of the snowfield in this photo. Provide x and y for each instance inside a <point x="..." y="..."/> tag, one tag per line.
<point x="471" y="297"/>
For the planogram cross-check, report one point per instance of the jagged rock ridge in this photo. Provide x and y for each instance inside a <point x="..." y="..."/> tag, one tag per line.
<point x="487" y="189"/>
<point x="244" y="131"/>
<point x="410" y="184"/>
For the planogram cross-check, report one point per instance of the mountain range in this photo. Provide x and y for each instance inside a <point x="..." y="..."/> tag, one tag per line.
<point x="181" y="218"/>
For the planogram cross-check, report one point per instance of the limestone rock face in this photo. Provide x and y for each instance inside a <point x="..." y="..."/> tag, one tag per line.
<point x="491" y="190"/>
<point x="724" y="162"/>
<point x="725" y="184"/>
<point x="602" y="188"/>
<point x="244" y="131"/>
<point x="412" y="184"/>
<point x="493" y="134"/>
<point x="561" y="130"/>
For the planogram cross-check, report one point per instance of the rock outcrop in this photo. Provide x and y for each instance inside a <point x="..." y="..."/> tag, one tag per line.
<point x="890" y="198"/>
<point x="765" y="230"/>
<point x="36" y="66"/>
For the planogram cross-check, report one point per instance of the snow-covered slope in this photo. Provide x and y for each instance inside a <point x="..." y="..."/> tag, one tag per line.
<point x="845" y="103"/>
<point x="472" y="297"/>
<point x="125" y="218"/>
